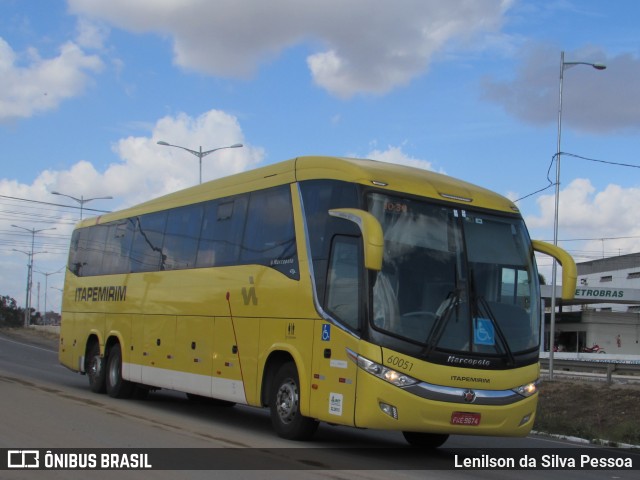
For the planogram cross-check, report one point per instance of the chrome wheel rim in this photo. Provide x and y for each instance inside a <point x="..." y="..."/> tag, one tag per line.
<point x="287" y="401"/>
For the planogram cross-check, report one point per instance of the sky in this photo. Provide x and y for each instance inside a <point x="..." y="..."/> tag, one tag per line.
<point x="469" y="88"/>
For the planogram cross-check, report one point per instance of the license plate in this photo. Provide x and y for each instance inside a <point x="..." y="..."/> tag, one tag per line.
<point x="465" y="418"/>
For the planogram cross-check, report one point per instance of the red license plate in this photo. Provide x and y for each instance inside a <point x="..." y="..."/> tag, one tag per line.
<point x="465" y="418"/>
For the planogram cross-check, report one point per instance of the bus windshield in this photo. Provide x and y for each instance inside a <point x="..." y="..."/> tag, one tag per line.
<point x="455" y="280"/>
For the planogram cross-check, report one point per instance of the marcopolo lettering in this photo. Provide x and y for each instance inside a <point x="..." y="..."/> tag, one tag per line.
<point x="468" y="362"/>
<point x="101" y="294"/>
<point x="588" y="292"/>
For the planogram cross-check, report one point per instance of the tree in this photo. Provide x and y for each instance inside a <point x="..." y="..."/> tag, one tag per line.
<point x="10" y="314"/>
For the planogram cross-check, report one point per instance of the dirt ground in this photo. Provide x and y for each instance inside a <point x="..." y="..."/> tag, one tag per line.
<point x="36" y="337"/>
<point x="585" y="409"/>
<point x="590" y="410"/>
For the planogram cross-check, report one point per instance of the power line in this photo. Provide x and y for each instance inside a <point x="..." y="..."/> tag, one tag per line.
<point x="594" y="239"/>
<point x="581" y="157"/>
<point x="53" y="204"/>
<point x="600" y="161"/>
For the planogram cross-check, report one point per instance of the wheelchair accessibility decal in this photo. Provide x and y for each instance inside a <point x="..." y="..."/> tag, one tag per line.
<point x="326" y="332"/>
<point x="483" y="332"/>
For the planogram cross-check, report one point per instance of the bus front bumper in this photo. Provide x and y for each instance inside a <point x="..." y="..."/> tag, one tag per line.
<point x="385" y="406"/>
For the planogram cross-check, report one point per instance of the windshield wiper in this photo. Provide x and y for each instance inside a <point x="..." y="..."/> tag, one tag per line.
<point x="479" y="301"/>
<point x="511" y="361"/>
<point x="442" y="318"/>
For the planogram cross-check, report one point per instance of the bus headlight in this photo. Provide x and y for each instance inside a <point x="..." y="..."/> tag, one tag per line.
<point x="528" y="389"/>
<point x="387" y="374"/>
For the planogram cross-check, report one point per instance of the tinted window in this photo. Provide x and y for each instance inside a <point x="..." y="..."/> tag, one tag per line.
<point x="146" y="251"/>
<point x="222" y="232"/>
<point x="343" y="283"/>
<point x="182" y="236"/>
<point x="215" y="233"/>
<point x="119" y="239"/>
<point x="269" y="237"/>
<point x="93" y="246"/>
<point x="320" y="196"/>
<point x="74" y="255"/>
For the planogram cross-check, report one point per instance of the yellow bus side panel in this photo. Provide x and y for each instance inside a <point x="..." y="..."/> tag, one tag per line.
<point x="133" y="370"/>
<point x="229" y="359"/>
<point x="67" y="353"/>
<point x="158" y="344"/>
<point x="334" y="375"/>
<point x="194" y="344"/>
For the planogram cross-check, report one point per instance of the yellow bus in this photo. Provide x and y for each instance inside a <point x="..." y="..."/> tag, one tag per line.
<point x="336" y="290"/>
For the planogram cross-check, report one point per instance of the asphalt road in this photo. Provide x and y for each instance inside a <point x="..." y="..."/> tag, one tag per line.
<point x="43" y="405"/>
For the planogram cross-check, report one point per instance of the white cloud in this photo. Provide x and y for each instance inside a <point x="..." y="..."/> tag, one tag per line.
<point x="144" y="170"/>
<point x="91" y="34"/>
<point x="361" y="46"/>
<point x="397" y="156"/>
<point x="593" y="101"/>
<point x="153" y="168"/>
<point x="42" y="84"/>
<point x="607" y="220"/>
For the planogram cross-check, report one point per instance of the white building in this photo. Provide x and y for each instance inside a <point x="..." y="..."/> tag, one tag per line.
<point x="620" y="275"/>
<point x="606" y="310"/>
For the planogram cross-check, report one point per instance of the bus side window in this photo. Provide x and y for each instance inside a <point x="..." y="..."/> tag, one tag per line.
<point x="221" y="235"/>
<point x="269" y="236"/>
<point x="75" y="252"/>
<point x="146" y="250"/>
<point x="93" y="254"/>
<point x="344" y="285"/>
<point x="119" y="247"/>
<point x="181" y="237"/>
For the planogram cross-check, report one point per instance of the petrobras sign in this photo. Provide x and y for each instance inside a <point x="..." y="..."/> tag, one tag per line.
<point x="601" y="293"/>
<point x="589" y="294"/>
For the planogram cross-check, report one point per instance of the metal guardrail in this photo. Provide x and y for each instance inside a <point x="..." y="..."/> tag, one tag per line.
<point x="603" y="367"/>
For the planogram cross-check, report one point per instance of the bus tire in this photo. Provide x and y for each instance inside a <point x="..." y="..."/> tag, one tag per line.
<point x="425" y="440"/>
<point x="96" y="373"/>
<point x="284" y="403"/>
<point x="117" y="387"/>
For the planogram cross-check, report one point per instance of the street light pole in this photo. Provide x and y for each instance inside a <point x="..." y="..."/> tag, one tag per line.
<point x="33" y="231"/>
<point x="26" y="293"/>
<point x="199" y="153"/>
<point x="554" y="271"/>
<point x="82" y="200"/>
<point x="46" y="281"/>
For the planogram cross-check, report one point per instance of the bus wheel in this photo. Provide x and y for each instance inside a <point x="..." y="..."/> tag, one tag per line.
<point x="425" y="440"/>
<point x="117" y="387"/>
<point x="95" y="369"/>
<point x="284" y="403"/>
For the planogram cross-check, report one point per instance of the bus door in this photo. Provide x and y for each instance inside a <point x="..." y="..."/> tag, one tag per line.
<point x="333" y="381"/>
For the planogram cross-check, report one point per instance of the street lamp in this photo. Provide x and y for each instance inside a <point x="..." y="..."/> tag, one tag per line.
<point x="82" y="200"/>
<point x="46" y="281"/>
<point x="33" y="231"/>
<point x="199" y="153"/>
<point x="552" y="327"/>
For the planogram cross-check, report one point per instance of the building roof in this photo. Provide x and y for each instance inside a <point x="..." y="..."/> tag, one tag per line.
<point x="610" y="264"/>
